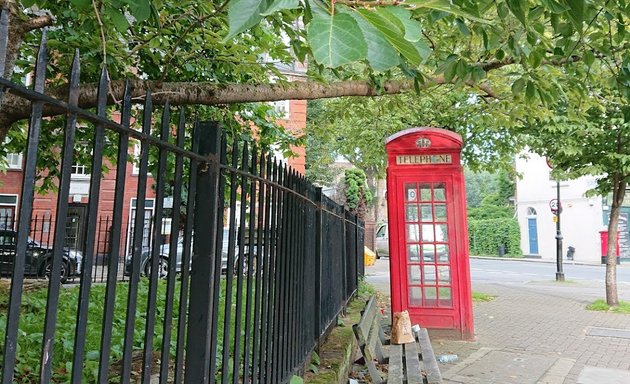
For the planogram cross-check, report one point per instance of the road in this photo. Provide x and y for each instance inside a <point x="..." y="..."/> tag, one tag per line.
<point x="488" y="271"/>
<point x="529" y="274"/>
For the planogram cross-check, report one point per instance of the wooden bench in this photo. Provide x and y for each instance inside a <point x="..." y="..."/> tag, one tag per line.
<point x="412" y="363"/>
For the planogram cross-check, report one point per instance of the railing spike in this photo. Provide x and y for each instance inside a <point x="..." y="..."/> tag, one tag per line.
<point x="4" y="36"/>
<point x="40" y="66"/>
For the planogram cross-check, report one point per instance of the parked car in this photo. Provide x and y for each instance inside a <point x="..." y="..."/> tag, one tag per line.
<point x="436" y="248"/>
<point x="382" y="241"/>
<point x="38" y="258"/>
<point x="163" y="265"/>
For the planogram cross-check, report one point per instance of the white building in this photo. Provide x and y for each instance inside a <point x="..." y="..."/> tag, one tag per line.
<point x="581" y="220"/>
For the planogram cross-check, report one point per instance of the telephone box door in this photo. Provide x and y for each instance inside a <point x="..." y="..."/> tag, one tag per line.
<point x="429" y="268"/>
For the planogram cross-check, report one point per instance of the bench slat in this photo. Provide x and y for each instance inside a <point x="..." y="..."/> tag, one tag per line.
<point x="368" y="316"/>
<point x="374" y="343"/>
<point x="413" y="364"/>
<point x="428" y="357"/>
<point x="395" y="372"/>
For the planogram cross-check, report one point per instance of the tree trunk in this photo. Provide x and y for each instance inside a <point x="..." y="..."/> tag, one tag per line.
<point x="619" y="192"/>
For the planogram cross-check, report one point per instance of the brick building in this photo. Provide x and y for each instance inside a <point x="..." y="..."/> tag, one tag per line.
<point x="44" y="205"/>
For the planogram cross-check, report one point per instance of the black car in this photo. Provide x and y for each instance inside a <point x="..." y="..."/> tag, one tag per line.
<point x="38" y="258"/>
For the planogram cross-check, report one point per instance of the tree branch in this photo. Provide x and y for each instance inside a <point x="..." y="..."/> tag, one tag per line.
<point x="184" y="93"/>
<point x="37" y="23"/>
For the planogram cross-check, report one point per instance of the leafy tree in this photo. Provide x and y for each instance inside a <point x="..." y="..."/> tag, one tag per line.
<point x="600" y="147"/>
<point x="356" y="128"/>
<point x="357" y="193"/>
<point x="208" y="53"/>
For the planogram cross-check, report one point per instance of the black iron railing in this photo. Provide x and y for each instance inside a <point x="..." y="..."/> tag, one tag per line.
<point x="255" y="266"/>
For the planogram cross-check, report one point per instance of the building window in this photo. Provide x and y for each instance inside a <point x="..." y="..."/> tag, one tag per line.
<point x="80" y="170"/>
<point x="149" y="205"/>
<point x="8" y="205"/>
<point x="14" y="160"/>
<point x="531" y="211"/>
<point x="282" y="108"/>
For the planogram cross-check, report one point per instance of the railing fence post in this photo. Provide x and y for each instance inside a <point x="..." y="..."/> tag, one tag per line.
<point x="319" y="213"/>
<point x="204" y="250"/>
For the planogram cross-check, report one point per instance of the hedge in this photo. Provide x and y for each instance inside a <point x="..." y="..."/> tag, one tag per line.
<point x="485" y="236"/>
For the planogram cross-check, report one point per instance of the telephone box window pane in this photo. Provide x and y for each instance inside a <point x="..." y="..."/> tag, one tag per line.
<point x="428" y="253"/>
<point x="425" y="192"/>
<point x="446" y="297"/>
<point x="413" y="253"/>
<point x="441" y="232"/>
<point x="427" y="232"/>
<point x="415" y="296"/>
<point x="442" y="253"/>
<point x="411" y="194"/>
<point x="426" y="209"/>
<point x="413" y="232"/>
<point x="411" y="212"/>
<point x="440" y="212"/>
<point x="430" y="294"/>
<point x="444" y="274"/>
<point x="439" y="192"/>
<point x="429" y="274"/>
<point x="414" y="274"/>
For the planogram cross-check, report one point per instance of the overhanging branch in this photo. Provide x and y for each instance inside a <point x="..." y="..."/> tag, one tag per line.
<point x="187" y="93"/>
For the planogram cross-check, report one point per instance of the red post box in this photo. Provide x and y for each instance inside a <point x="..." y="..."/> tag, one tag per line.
<point x="603" y="237"/>
<point x="428" y="234"/>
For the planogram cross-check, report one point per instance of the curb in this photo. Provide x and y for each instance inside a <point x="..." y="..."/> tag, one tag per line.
<point x="533" y="260"/>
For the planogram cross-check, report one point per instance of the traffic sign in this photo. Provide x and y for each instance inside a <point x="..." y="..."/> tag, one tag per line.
<point x="554" y="205"/>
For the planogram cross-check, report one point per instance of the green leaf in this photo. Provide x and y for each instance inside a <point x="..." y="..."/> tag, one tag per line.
<point x="517" y="7"/>
<point x="450" y="71"/>
<point x="391" y="33"/>
<point x="554" y="6"/>
<point x="278" y="5"/>
<point x="413" y="29"/>
<point x="82" y="3"/>
<point x="530" y="90"/>
<point x="576" y="13"/>
<point x="380" y="53"/>
<point x="140" y="9"/>
<point x="119" y="20"/>
<point x="423" y="49"/>
<point x="444" y="6"/>
<point x="296" y="380"/>
<point x="518" y="86"/>
<point x="244" y="14"/>
<point x="477" y="74"/>
<point x="589" y="58"/>
<point x="336" y="39"/>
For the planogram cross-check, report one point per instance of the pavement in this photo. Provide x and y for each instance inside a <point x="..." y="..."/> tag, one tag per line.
<point x="538" y="332"/>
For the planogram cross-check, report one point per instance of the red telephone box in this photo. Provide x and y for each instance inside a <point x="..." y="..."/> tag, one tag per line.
<point x="428" y="233"/>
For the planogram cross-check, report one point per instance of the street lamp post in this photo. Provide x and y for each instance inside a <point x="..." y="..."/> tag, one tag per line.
<point x="559" y="272"/>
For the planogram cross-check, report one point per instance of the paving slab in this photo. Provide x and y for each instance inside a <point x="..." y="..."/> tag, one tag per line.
<point x="598" y="375"/>
<point x="499" y="367"/>
<point x="608" y="332"/>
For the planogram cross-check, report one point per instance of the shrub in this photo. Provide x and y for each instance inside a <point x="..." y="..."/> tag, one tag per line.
<point x="486" y="235"/>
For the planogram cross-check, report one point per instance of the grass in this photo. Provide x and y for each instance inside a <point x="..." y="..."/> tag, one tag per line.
<point x="601" y="305"/>
<point x="478" y="297"/>
<point x="31" y="325"/>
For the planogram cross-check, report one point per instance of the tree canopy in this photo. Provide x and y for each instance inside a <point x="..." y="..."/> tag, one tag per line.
<point x="223" y="52"/>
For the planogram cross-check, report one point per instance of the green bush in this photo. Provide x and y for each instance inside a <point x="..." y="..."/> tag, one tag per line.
<point x="486" y="235"/>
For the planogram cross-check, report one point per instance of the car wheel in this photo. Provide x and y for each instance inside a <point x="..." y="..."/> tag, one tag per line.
<point x="162" y="268"/>
<point x="47" y="269"/>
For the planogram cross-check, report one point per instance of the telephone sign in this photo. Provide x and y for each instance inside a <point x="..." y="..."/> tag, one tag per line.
<point x="428" y="239"/>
